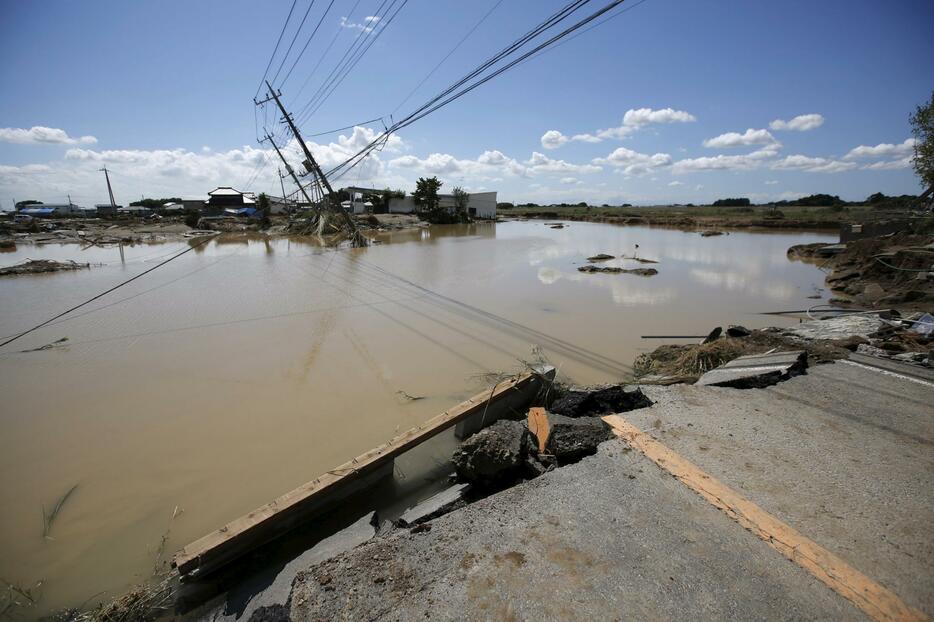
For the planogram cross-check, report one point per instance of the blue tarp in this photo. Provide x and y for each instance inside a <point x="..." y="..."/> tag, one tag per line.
<point x="37" y="211"/>
<point x="249" y="212"/>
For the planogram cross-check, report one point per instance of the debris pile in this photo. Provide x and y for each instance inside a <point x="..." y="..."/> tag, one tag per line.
<point x="669" y="364"/>
<point x="39" y="266"/>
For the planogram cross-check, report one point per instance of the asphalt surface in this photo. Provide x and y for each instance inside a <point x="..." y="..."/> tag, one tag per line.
<point x="842" y="454"/>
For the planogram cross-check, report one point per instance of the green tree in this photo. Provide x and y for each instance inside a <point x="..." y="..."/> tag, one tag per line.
<point x="922" y="126"/>
<point x="426" y="193"/>
<point x="461" y="198"/>
<point x="262" y="204"/>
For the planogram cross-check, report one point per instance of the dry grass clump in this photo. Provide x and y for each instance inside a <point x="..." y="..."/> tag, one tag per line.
<point x="689" y="360"/>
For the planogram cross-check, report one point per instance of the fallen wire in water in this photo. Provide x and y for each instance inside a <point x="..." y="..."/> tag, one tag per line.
<point x="60" y="343"/>
<point x="49" y="518"/>
<point x="411" y="398"/>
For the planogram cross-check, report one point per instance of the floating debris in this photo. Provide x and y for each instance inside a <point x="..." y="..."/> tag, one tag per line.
<point x="601" y="257"/>
<point x="55" y="345"/>
<point x="614" y="270"/>
<point x="639" y="259"/>
<point x="410" y="398"/>
<point x="707" y="234"/>
<point x="39" y="266"/>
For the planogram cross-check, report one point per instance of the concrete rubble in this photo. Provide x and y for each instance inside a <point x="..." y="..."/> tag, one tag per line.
<point x="756" y="371"/>
<point x="493" y="453"/>
<point x="837" y="327"/>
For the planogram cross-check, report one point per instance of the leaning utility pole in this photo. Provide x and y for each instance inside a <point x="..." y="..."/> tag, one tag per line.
<point x="281" y="183"/>
<point x="311" y="166"/>
<point x="110" y="191"/>
<point x="288" y="168"/>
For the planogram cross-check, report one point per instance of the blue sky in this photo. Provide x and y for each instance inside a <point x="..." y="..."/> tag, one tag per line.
<point x="160" y="93"/>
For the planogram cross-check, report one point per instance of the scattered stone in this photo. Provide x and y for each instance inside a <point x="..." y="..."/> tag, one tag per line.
<point x="271" y="613"/>
<point x="738" y="331"/>
<point x="756" y="371"/>
<point x="572" y="439"/>
<point x="870" y="350"/>
<point x="601" y="257"/>
<point x="614" y="270"/>
<point x="533" y="468"/>
<point x="493" y="453"/>
<point x="605" y="401"/>
<point x="421" y="528"/>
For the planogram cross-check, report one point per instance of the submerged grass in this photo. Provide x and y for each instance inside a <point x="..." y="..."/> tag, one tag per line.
<point x="49" y="518"/>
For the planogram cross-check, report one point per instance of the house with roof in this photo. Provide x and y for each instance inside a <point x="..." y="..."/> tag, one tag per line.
<point x="225" y="197"/>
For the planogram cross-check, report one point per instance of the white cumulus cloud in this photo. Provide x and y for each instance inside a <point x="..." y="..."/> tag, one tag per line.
<point x="368" y="23"/>
<point x="812" y="165"/>
<point x="721" y="162"/>
<point x="801" y="123"/>
<point x="633" y="120"/>
<point x="882" y="150"/>
<point x="39" y="134"/>
<point x="735" y="139"/>
<point x="634" y="163"/>
<point x="645" y="116"/>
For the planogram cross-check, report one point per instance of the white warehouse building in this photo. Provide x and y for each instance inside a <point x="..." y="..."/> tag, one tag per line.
<point x="480" y="205"/>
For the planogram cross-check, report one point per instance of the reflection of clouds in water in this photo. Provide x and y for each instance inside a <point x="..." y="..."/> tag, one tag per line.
<point x="541" y="254"/>
<point x="738" y="281"/>
<point x="624" y="289"/>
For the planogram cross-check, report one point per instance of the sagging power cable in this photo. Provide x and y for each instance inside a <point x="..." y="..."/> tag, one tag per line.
<point x="104" y="293"/>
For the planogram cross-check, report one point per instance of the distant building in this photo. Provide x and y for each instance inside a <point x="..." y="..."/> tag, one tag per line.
<point x="480" y="205"/>
<point x="223" y="197"/>
<point x="106" y="210"/>
<point x="49" y="210"/>
<point x="135" y="211"/>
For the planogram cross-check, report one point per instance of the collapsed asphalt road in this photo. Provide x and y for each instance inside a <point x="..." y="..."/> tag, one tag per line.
<point x="843" y="455"/>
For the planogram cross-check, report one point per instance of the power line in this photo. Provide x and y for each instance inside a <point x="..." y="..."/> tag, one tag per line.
<point x="310" y="37"/>
<point x="321" y="57"/>
<point x="433" y="104"/>
<point x="102" y="294"/>
<point x="354" y="45"/>
<point x="454" y="49"/>
<point x="294" y="37"/>
<point x="383" y="26"/>
<point x="276" y="49"/>
<point x="347" y="127"/>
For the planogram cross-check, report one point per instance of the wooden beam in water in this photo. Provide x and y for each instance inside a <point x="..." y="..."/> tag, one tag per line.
<point x="279" y="516"/>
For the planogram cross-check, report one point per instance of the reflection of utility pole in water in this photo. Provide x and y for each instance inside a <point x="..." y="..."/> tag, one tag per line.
<point x="122" y="258"/>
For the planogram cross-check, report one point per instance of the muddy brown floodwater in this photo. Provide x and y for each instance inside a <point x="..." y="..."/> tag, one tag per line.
<point x="248" y="367"/>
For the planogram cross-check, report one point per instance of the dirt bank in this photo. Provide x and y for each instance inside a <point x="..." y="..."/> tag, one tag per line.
<point x="702" y="218"/>
<point x="892" y="272"/>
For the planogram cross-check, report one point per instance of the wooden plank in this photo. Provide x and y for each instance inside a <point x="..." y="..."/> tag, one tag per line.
<point x="875" y="600"/>
<point x="271" y="520"/>
<point x="538" y="425"/>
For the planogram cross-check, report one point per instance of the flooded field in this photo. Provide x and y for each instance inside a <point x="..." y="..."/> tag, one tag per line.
<point x="247" y="367"/>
